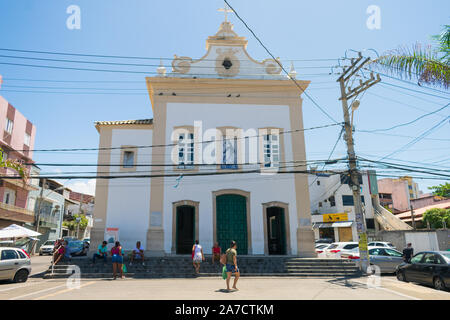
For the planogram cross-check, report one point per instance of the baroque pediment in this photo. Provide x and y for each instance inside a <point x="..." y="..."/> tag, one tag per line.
<point x="226" y="57"/>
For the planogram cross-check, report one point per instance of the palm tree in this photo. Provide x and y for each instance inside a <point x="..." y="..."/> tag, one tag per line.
<point x="426" y="64"/>
<point x="13" y="164"/>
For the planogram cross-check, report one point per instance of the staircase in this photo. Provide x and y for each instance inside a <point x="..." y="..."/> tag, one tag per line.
<point x="181" y="267"/>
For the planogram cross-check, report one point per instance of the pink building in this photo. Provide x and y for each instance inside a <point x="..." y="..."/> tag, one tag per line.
<point x="394" y="194"/>
<point x="17" y="136"/>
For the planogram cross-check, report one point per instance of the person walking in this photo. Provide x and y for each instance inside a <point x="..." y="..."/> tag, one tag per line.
<point x="117" y="259"/>
<point x="232" y="266"/>
<point x="197" y="256"/>
<point x="216" y="252"/>
<point x="102" y="252"/>
<point x="138" y="253"/>
<point x="408" y="252"/>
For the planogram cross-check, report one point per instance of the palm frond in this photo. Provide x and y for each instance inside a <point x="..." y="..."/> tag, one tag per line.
<point x="418" y="63"/>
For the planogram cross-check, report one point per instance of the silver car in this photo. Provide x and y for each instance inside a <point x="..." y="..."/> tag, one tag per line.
<point x="15" y="264"/>
<point x="386" y="259"/>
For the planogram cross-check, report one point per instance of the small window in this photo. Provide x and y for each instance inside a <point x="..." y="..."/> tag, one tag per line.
<point x="9" y="255"/>
<point x="417" y="258"/>
<point x="318" y="182"/>
<point x="27" y="139"/>
<point x="393" y="253"/>
<point x="320" y="204"/>
<point x="128" y="159"/>
<point x="9" y="125"/>
<point x="271" y="146"/>
<point x="332" y="201"/>
<point x="347" y="200"/>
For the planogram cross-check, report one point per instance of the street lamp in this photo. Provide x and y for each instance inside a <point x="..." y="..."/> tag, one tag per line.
<point x="355" y="105"/>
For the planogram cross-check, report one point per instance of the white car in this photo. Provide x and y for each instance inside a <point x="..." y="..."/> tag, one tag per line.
<point x="15" y="264"/>
<point x="381" y="244"/>
<point x="335" y="249"/>
<point x="47" y="247"/>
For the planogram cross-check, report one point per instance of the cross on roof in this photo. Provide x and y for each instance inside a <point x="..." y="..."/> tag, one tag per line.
<point x="225" y="11"/>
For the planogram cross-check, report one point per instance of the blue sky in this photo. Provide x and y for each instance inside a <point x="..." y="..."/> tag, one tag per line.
<point x="292" y="30"/>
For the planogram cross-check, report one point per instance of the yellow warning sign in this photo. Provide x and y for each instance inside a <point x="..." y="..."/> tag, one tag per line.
<point x="333" y="217"/>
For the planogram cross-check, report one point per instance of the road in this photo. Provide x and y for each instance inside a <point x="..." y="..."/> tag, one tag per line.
<point x="212" y="289"/>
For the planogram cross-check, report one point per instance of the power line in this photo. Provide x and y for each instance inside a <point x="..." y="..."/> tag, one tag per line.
<point x="130" y="57"/>
<point x="175" y="144"/>
<point x="281" y="66"/>
<point x="414" y="141"/>
<point x="410" y="122"/>
<point x="132" y="64"/>
<point x="413" y="90"/>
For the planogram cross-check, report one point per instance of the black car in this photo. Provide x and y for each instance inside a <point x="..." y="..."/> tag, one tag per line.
<point x="429" y="268"/>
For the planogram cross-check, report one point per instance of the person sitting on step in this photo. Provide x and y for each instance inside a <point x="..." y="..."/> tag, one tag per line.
<point x="137" y="253"/>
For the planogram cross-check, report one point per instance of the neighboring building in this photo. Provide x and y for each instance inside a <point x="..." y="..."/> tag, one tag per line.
<point x="17" y="141"/>
<point x="225" y="89"/>
<point x="426" y="200"/>
<point x="81" y="203"/>
<point x="331" y="195"/>
<point x="49" y="205"/>
<point x="418" y="213"/>
<point x="396" y="194"/>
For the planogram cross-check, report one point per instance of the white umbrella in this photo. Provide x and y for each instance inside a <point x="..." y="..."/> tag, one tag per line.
<point x="15" y="231"/>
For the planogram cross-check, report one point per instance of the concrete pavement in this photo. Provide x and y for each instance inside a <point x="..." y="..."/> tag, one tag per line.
<point x="212" y="289"/>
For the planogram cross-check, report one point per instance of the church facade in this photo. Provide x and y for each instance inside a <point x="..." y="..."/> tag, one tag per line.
<point x="213" y="163"/>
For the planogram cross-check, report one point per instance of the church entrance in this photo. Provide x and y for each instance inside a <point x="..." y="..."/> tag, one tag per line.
<point x="185" y="229"/>
<point x="276" y="230"/>
<point x="231" y="223"/>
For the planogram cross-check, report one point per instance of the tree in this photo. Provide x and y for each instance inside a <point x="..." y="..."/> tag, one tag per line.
<point x="14" y="164"/>
<point x="72" y="225"/>
<point x="436" y="216"/>
<point x="428" y="65"/>
<point x="442" y="190"/>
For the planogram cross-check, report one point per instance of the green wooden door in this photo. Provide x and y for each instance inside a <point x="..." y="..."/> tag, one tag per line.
<point x="231" y="223"/>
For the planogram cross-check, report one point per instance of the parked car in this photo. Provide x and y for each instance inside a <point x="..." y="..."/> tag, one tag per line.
<point x="321" y="247"/>
<point x="381" y="244"/>
<point x="385" y="258"/>
<point x="47" y="247"/>
<point x="76" y="247"/>
<point x="335" y="249"/>
<point x="15" y="264"/>
<point x="429" y="268"/>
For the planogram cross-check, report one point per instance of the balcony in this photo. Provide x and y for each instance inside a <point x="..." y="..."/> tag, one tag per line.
<point x="14" y="213"/>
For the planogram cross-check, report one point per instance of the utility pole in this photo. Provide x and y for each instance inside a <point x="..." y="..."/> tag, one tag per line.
<point x="40" y="204"/>
<point x="343" y="80"/>
<point x="412" y="218"/>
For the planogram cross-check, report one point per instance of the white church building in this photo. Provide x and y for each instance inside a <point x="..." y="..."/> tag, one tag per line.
<point x="213" y="163"/>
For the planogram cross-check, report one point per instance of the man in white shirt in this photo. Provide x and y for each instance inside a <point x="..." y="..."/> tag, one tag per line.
<point x="138" y="253"/>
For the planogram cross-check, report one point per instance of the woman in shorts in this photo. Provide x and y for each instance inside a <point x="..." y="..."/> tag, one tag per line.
<point x="117" y="259"/>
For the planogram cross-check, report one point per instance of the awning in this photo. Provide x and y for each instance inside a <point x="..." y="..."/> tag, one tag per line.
<point x="15" y="231"/>
<point x="322" y="225"/>
<point x="342" y="224"/>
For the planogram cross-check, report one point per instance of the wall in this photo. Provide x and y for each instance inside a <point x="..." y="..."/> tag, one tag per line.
<point x="128" y="203"/>
<point x="399" y="191"/>
<point x="398" y="238"/>
<point x="262" y="189"/>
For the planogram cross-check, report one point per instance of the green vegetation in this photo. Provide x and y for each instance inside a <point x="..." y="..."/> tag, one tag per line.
<point x="436" y="218"/>
<point x="442" y="190"/>
<point x="427" y="64"/>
